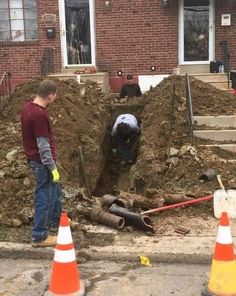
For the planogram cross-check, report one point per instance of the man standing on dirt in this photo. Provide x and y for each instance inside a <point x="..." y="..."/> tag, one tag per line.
<point x="39" y="147"/>
<point x="125" y="136"/>
<point x="130" y="89"/>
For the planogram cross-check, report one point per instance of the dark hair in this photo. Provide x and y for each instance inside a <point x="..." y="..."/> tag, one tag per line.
<point x="46" y="88"/>
<point x="129" y="77"/>
<point x="123" y="130"/>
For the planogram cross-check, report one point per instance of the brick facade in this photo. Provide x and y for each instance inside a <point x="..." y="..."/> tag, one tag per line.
<point x="226" y="33"/>
<point x="134" y="35"/>
<point x="130" y="35"/>
<point x="22" y="59"/>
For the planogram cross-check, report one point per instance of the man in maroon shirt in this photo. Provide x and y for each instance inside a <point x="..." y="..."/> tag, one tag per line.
<point x="39" y="147"/>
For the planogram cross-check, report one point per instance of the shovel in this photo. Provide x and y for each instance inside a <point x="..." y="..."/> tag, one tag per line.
<point x="224" y="201"/>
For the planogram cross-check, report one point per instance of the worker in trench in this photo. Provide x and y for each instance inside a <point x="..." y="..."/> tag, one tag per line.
<point x="39" y="147"/>
<point x="130" y="89"/>
<point x="125" y="136"/>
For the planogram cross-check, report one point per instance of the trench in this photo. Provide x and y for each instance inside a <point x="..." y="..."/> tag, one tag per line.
<point x="114" y="176"/>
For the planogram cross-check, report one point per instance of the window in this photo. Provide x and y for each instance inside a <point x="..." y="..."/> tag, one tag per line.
<point x="18" y="20"/>
<point x="78" y="28"/>
<point x="196" y="30"/>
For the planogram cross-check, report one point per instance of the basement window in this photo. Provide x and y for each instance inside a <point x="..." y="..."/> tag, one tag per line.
<point x="18" y="20"/>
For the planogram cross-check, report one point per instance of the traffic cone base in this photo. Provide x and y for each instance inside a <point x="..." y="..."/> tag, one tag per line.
<point x="65" y="278"/>
<point x="223" y="278"/>
<point x="80" y="293"/>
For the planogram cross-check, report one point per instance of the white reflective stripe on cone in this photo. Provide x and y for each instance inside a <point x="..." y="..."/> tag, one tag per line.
<point x="64" y="256"/>
<point x="224" y="235"/>
<point x="64" y="235"/>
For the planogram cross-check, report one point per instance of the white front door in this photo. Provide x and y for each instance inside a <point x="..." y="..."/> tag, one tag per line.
<point x="77" y="32"/>
<point x="196" y="32"/>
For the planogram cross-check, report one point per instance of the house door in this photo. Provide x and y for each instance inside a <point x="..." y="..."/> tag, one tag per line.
<point x="78" y="40"/>
<point x="196" y="34"/>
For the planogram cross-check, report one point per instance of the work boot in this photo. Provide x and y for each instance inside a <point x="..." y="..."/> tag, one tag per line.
<point x="50" y="241"/>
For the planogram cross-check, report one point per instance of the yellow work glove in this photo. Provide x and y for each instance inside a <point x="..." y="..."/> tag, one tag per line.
<point x="55" y="176"/>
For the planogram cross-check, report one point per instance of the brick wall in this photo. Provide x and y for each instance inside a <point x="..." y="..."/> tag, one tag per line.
<point x="131" y="35"/>
<point x="134" y="35"/>
<point x="22" y="58"/>
<point x="226" y="33"/>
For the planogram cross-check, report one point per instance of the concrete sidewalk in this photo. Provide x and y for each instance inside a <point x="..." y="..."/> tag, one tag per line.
<point x="186" y="249"/>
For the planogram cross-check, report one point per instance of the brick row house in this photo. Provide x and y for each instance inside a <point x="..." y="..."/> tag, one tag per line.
<point x="145" y="38"/>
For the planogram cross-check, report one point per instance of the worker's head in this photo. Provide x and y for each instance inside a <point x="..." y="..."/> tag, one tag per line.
<point x="129" y="79"/>
<point x="47" y="90"/>
<point x="123" y="130"/>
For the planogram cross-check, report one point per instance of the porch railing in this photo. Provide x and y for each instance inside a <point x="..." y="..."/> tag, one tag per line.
<point x="189" y="106"/>
<point x="5" y="90"/>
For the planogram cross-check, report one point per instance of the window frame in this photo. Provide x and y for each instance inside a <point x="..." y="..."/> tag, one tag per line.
<point x="11" y="40"/>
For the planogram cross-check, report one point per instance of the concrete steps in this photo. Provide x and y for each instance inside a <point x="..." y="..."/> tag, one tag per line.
<point x="216" y="121"/>
<point x="218" y="80"/>
<point x="100" y="78"/>
<point x="227" y="147"/>
<point x="216" y="135"/>
<point x="224" y="131"/>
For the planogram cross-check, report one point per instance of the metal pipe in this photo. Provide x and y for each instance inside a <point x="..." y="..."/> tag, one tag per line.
<point x="132" y="219"/>
<point x="101" y="217"/>
<point x="108" y="200"/>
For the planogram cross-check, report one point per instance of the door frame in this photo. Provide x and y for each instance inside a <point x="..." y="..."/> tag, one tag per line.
<point x="62" y="16"/>
<point x="211" y="35"/>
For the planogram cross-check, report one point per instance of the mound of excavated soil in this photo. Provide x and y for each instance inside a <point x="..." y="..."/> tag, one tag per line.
<point x="154" y="167"/>
<point x="82" y="117"/>
<point x="208" y="100"/>
<point x="78" y="118"/>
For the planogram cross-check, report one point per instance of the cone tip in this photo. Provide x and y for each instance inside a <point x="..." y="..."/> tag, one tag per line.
<point x="224" y="220"/>
<point x="64" y="221"/>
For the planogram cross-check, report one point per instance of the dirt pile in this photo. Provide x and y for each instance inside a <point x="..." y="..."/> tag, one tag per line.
<point x="78" y="117"/>
<point x="167" y="160"/>
<point x="208" y="100"/>
<point x="83" y="116"/>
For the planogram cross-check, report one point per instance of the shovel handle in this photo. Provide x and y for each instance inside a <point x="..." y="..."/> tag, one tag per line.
<point x="220" y="183"/>
<point x="181" y="204"/>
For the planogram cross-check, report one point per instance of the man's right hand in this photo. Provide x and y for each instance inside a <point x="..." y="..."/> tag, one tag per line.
<point x="114" y="151"/>
<point x="55" y="176"/>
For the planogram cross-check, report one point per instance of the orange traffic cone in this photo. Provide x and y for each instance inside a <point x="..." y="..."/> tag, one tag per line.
<point x="65" y="276"/>
<point x="223" y="271"/>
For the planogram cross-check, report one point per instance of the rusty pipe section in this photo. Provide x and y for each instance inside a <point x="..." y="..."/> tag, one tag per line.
<point x="108" y="200"/>
<point x="99" y="216"/>
<point x="132" y="219"/>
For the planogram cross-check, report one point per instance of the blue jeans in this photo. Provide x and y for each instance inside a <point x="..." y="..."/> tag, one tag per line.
<point x="47" y="201"/>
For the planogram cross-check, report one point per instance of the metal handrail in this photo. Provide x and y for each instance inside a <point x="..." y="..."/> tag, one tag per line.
<point x="190" y="106"/>
<point x="5" y="89"/>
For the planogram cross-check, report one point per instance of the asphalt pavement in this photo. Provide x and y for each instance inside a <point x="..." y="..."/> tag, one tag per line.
<point x="27" y="277"/>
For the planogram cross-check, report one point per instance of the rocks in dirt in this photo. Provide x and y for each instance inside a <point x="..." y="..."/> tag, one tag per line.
<point x="16" y="222"/>
<point x="173" y="161"/>
<point x="2" y="174"/>
<point x="172" y="152"/>
<point x="26" y="182"/>
<point x="26" y="215"/>
<point x="12" y="155"/>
